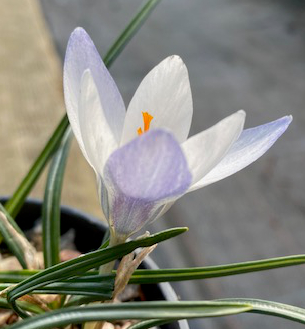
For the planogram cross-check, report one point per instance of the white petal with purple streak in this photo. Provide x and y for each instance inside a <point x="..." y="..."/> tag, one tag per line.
<point x="97" y="136"/>
<point x="81" y="55"/>
<point x="251" y="145"/>
<point x="204" y="150"/>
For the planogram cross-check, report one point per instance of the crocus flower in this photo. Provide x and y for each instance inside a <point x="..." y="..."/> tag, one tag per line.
<point x="142" y="157"/>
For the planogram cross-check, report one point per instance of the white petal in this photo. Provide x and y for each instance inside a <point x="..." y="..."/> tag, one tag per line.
<point x="206" y="149"/>
<point x="165" y="94"/>
<point x="97" y="136"/>
<point x="251" y="145"/>
<point x="81" y="54"/>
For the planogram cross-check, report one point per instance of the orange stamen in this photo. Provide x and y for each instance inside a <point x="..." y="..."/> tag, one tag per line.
<point x="146" y="119"/>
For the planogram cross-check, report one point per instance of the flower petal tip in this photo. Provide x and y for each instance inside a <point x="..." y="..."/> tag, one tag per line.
<point x="79" y="33"/>
<point x="175" y="60"/>
<point x="282" y="124"/>
<point x="239" y="116"/>
<point x="288" y="119"/>
<point x="79" y="39"/>
<point x="241" y="113"/>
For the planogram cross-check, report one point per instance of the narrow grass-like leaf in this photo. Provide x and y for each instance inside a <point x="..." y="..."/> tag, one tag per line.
<point x="18" y="244"/>
<point x="143" y="310"/>
<point x="169" y="275"/>
<point x="149" y="324"/>
<point x="6" y="232"/>
<point x="258" y="306"/>
<point x="51" y="203"/>
<point x="22" y="304"/>
<point x="99" y="287"/>
<point x="74" y="267"/>
<point x="130" y="30"/>
<point x="161" y="311"/>
<point x="5" y="285"/>
<point x="16" y="276"/>
<point x="15" y="203"/>
<point x="81" y="300"/>
<point x="10" y="219"/>
<point x="100" y="290"/>
<point x="266" y="307"/>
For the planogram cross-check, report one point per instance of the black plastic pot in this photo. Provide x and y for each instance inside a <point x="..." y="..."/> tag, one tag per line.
<point x="88" y="236"/>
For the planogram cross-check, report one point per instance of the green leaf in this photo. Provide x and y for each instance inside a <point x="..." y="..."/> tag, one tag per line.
<point x="100" y="287"/>
<point x="51" y="204"/>
<point x="266" y="307"/>
<point x="130" y="30"/>
<point x="11" y="220"/>
<point x="84" y="263"/>
<point x="142" y="310"/>
<point x="81" y="300"/>
<point x="15" y="203"/>
<point x="258" y="306"/>
<point x="101" y="290"/>
<point x="22" y="304"/>
<point x="149" y="324"/>
<point x="161" y="311"/>
<point x="169" y="275"/>
<point x="16" y="242"/>
<point x="16" y="276"/>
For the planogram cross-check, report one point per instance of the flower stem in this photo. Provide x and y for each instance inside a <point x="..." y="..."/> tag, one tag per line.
<point x="113" y="241"/>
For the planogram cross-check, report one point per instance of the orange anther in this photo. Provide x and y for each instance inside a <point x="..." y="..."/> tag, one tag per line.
<point x="146" y="119"/>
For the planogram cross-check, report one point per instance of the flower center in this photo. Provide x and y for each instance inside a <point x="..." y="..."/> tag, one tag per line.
<point x="146" y="119"/>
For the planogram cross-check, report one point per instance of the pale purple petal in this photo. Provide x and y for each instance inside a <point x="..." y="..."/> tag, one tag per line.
<point x="141" y="176"/>
<point x="81" y="55"/>
<point x="251" y="145"/>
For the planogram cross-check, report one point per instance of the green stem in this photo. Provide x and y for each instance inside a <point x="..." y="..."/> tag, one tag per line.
<point x="113" y="241"/>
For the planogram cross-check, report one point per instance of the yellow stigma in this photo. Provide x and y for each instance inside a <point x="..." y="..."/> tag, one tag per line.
<point x="146" y="119"/>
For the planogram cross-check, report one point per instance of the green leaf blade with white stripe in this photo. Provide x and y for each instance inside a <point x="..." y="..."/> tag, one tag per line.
<point x="184" y="274"/>
<point x="51" y="203"/>
<point x="77" y="266"/>
<point x="267" y="307"/>
<point x="134" y="310"/>
<point x="17" y="243"/>
<point x="196" y="273"/>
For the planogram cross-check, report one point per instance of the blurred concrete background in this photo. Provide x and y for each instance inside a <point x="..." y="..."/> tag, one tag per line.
<point x="240" y="54"/>
<point x="31" y="102"/>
